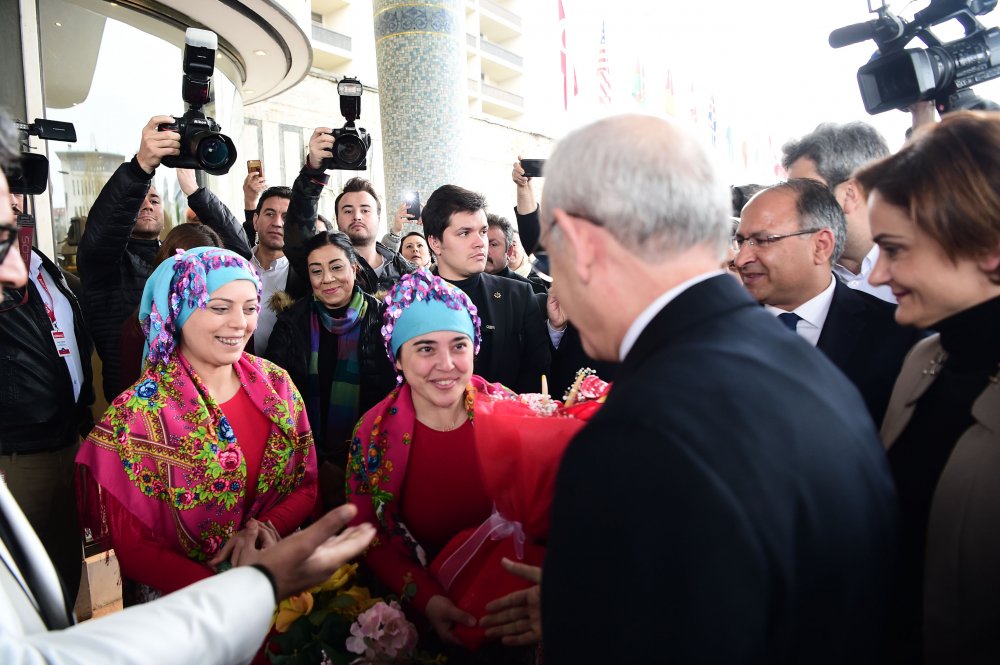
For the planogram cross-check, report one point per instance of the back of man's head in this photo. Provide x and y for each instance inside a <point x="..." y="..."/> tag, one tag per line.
<point x="358" y="184"/>
<point x="652" y="185"/>
<point x="279" y="191"/>
<point x="835" y="150"/>
<point x="444" y="202"/>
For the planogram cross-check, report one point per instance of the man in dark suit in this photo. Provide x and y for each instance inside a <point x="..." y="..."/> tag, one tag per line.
<point x="515" y="347"/>
<point x="722" y="506"/>
<point x="788" y="241"/>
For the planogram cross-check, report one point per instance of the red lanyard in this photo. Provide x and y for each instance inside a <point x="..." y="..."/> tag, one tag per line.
<point x="49" y="308"/>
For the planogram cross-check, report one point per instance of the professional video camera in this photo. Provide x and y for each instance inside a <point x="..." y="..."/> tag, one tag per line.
<point x="203" y="145"/>
<point x="32" y="176"/>
<point x="350" y="143"/>
<point x="896" y="76"/>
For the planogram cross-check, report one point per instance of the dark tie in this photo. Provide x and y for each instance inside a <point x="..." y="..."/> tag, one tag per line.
<point x="790" y="319"/>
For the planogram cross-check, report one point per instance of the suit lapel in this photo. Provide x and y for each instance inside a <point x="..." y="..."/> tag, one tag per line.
<point x="844" y="326"/>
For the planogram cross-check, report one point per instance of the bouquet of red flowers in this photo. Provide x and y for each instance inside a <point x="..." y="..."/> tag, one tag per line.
<point x="520" y="441"/>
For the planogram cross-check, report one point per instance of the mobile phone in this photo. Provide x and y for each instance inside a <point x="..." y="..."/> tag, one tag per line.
<point x="255" y="166"/>
<point x="533" y="167"/>
<point x="413" y="205"/>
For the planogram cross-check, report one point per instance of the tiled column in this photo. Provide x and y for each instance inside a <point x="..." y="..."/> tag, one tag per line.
<point x="421" y="54"/>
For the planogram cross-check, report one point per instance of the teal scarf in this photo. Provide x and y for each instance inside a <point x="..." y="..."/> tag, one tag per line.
<point x="342" y="404"/>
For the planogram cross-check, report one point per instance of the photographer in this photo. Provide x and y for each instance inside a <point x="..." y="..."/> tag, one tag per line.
<point x="358" y="210"/>
<point x="121" y="238"/>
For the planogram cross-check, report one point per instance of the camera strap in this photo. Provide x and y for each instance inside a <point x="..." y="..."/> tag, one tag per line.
<point x="25" y="239"/>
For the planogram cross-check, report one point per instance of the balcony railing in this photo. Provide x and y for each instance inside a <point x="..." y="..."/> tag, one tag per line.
<point x="503" y="95"/>
<point x="330" y="37"/>
<point x="471" y="39"/>
<point x="502" y="12"/>
<point x="501" y="53"/>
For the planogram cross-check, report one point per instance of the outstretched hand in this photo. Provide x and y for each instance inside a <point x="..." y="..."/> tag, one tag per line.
<point x="308" y="557"/>
<point x="517" y="174"/>
<point x="517" y="617"/>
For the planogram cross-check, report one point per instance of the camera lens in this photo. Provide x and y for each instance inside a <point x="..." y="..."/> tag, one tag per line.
<point x="350" y="150"/>
<point x="213" y="152"/>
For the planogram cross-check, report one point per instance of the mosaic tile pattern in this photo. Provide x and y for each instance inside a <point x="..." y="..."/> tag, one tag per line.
<point x="423" y="95"/>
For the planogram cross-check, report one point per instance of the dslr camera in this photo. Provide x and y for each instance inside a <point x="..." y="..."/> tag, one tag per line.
<point x="203" y="145"/>
<point x="897" y="76"/>
<point x="350" y="143"/>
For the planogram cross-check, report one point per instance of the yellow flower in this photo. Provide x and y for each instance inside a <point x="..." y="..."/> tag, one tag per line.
<point x="362" y="598"/>
<point x="340" y="578"/>
<point x="291" y="609"/>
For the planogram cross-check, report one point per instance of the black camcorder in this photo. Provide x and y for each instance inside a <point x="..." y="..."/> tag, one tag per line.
<point x="203" y="145"/>
<point x="31" y="176"/>
<point x="897" y="76"/>
<point x="350" y="143"/>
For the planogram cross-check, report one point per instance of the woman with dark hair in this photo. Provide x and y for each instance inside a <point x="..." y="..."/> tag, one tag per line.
<point x="935" y="214"/>
<point x="413" y="247"/>
<point x="181" y="237"/>
<point x="330" y="343"/>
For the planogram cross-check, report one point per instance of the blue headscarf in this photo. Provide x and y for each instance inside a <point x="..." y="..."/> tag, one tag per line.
<point x="420" y="303"/>
<point x="178" y="286"/>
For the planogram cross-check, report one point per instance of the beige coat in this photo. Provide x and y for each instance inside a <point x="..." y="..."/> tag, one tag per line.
<point x="962" y="568"/>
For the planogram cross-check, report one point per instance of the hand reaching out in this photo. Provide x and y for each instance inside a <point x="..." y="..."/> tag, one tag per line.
<point x="517" y="617"/>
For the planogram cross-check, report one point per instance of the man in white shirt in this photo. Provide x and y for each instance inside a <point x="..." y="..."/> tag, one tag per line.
<point x="830" y="154"/>
<point x="269" y="257"/>
<point x="789" y="238"/>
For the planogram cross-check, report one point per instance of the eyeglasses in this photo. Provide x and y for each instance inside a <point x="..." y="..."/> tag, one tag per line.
<point x="765" y="241"/>
<point x="8" y="237"/>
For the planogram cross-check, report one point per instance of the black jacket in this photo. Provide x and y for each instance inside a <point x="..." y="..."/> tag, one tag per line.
<point x="732" y="487"/>
<point x="515" y="348"/>
<point x="861" y="337"/>
<point x="537" y="285"/>
<point x="300" y="225"/>
<point x="288" y="347"/>
<point x="212" y="212"/>
<point x="113" y="265"/>
<point x="37" y="410"/>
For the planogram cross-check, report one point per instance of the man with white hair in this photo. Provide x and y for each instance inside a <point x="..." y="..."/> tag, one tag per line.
<point x="730" y="502"/>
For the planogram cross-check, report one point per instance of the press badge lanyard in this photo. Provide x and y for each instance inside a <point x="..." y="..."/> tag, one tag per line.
<point x="58" y="336"/>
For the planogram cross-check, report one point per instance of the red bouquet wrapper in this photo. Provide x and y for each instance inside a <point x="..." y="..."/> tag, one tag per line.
<point x="519" y="453"/>
<point x="482" y="579"/>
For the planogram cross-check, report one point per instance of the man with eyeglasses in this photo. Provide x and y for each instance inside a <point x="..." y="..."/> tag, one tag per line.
<point x="788" y="241"/>
<point x="830" y="154"/>
<point x="45" y="395"/>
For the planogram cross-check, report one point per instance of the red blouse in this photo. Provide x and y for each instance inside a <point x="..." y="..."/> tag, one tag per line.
<point x="442" y="494"/>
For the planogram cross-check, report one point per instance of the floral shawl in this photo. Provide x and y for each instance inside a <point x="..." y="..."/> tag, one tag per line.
<point x="167" y="453"/>
<point x="380" y="450"/>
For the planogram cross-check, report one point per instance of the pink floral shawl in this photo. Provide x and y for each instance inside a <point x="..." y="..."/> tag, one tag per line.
<point x="167" y="453"/>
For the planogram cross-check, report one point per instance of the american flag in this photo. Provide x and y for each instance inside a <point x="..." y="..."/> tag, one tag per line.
<point x="603" y="76"/>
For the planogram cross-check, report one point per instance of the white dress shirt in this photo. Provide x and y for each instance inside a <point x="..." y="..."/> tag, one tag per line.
<point x="54" y="299"/>
<point x="812" y="312"/>
<point x="272" y="280"/>
<point x="860" y="281"/>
